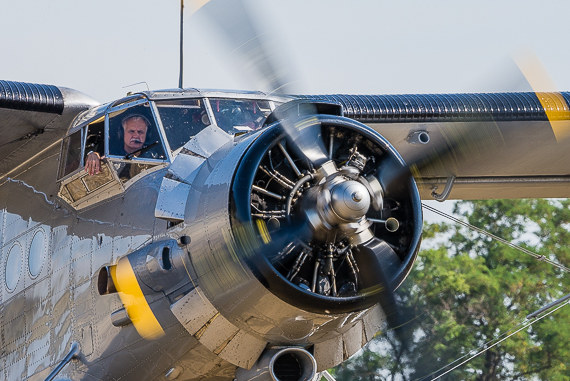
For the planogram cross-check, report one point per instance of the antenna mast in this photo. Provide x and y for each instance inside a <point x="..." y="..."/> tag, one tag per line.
<point x="181" y="43"/>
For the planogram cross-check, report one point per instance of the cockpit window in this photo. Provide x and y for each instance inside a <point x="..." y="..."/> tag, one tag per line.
<point x="133" y="134"/>
<point x="240" y="115"/>
<point x="71" y="154"/>
<point x="95" y="138"/>
<point x="105" y="157"/>
<point x="182" y="119"/>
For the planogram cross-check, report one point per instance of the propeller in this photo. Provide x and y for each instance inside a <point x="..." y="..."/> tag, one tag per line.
<point x="330" y="216"/>
<point x="255" y="48"/>
<point x="242" y="37"/>
<point x="304" y="139"/>
<point x="376" y="259"/>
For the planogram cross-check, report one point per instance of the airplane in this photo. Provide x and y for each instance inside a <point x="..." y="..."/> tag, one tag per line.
<point x="253" y="235"/>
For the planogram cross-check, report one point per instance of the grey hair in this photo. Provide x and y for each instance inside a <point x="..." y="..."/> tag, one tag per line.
<point x="135" y="116"/>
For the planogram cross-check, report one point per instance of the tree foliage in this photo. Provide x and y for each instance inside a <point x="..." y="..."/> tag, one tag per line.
<point x="467" y="290"/>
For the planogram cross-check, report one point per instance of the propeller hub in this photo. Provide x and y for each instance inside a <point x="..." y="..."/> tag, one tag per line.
<point x="357" y="197"/>
<point x="350" y="200"/>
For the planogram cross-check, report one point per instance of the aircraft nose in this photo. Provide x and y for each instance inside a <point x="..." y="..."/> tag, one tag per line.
<point x="318" y="254"/>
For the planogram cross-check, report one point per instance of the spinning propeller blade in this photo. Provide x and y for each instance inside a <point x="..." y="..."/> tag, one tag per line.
<point x="240" y="33"/>
<point x="375" y="259"/>
<point x="241" y="36"/>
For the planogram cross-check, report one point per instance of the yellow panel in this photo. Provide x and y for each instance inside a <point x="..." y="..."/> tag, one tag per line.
<point x="134" y="301"/>
<point x="76" y="189"/>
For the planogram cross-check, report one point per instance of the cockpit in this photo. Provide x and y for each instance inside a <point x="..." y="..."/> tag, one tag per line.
<point x="139" y="134"/>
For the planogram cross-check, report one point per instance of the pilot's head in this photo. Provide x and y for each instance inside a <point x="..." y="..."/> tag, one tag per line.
<point x="135" y="128"/>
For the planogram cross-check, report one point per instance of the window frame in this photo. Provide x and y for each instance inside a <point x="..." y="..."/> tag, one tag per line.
<point x="205" y="106"/>
<point x="157" y="123"/>
<point x="64" y="153"/>
<point x="215" y="119"/>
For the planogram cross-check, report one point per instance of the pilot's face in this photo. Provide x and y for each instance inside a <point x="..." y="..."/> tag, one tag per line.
<point x="135" y="134"/>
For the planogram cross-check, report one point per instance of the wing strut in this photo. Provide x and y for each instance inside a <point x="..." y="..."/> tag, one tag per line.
<point x="73" y="353"/>
<point x="327" y="376"/>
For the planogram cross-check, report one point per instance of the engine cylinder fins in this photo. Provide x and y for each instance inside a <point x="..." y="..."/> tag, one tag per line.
<point x="300" y="227"/>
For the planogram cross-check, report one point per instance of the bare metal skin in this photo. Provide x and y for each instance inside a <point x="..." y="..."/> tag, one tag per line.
<point x="139" y="268"/>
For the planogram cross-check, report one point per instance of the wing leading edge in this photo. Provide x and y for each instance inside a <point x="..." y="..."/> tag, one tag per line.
<point x="495" y="145"/>
<point x="33" y="117"/>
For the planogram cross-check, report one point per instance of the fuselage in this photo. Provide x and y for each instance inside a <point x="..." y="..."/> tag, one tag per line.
<point x="78" y="249"/>
<point x="52" y="254"/>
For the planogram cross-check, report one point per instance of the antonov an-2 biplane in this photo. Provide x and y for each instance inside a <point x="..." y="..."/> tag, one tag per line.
<point x="250" y="235"/>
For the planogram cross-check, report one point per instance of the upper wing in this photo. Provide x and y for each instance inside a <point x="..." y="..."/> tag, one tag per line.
<point x="501" y="145"/>
<point x="33" y="118"/>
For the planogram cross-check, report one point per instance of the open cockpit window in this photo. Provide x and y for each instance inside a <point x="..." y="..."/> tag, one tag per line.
<point x="95" y="137"/>
<point x="81" y="141"/>
<point x="239" y="115"/>
<point x="71" y="154"/>
<point x="182" y="119"/>
<point x="126" y="143"/>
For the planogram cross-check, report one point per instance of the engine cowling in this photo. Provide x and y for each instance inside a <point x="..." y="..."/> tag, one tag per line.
<point x="292" y="247"/>
<point x="343" y="204"/>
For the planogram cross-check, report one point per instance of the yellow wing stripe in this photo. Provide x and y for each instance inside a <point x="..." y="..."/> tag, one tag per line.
<point x="555" y="106"/>
<point x="557" y="112"/>
<point x="134" y="301"/>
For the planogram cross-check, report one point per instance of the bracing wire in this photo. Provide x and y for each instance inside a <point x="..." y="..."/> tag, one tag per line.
<point x="499" y="239"/>
<point x="529" y="320"/>
<point x="490" y="344"/>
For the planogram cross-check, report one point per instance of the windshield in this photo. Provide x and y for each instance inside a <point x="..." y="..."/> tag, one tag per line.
<point x="239" y="115"/>
<point x="182" y="119"/>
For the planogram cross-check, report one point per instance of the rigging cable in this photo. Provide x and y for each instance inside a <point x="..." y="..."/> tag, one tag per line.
<point x="529" y="320"/>
<point x="504" y="241"/>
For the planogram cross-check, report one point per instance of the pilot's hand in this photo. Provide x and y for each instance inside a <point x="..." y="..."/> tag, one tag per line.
<point x="93" y="163"/>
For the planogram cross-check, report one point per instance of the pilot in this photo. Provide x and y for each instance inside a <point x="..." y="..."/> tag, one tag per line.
<point x="135" y="127"/>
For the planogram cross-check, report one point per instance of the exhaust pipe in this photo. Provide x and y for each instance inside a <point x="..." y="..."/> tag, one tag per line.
<point x="418" y="137"/>
<point x="281" y="364"/>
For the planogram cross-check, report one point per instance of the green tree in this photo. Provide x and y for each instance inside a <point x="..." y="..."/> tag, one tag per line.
<point x="467" y="289"/>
